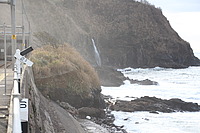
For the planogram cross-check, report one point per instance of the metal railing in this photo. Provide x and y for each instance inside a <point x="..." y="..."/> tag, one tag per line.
<point x="19" y="57"/>
<point x="5" y="57"/>
<point x="16" y="119"/>
<point x="16" y="103"/>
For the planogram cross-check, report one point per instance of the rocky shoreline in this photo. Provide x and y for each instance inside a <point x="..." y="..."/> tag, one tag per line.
<point x="56" y="114"/>
<point x="94" y="119"/>
<point x="102" y="121"/>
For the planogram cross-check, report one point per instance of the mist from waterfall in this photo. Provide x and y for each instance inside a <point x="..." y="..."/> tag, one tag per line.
<point x="97" y="56"/>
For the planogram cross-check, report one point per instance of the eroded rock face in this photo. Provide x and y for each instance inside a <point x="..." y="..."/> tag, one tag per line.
<point x="126" y="33"/>
<point x="153" y="104"/>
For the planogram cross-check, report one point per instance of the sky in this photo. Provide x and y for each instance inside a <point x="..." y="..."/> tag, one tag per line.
<point x="184" y="17"/>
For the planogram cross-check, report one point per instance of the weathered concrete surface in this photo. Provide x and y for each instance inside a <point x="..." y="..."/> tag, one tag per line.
<point x="45" y="115"/>
<point x="92" y="127"/>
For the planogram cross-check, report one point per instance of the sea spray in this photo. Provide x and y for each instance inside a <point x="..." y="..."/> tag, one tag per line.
<point x="97" y="56"/>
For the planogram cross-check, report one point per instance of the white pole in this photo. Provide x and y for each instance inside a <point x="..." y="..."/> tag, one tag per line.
<point x="5" y="55"/>
<point x="16" y="105"/>
<point x="23" y="27"/>
<point x="13" y="25"/>
<point x="16" y="116"/>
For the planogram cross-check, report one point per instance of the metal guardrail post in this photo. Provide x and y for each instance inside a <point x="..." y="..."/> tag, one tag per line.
<point x="5" y="56"/>
<point x="13" y="25"/>
<point x="17" y="65"/>
<point x="16" y="89"/>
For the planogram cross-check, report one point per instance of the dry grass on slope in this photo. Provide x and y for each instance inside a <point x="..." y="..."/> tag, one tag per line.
<point x="63" y="67"/>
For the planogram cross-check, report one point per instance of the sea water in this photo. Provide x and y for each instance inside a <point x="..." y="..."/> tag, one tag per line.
<point x="172" y="83"/>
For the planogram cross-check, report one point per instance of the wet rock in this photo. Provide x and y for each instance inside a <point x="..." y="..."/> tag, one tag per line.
<point x="155" y="105"/>
<point x="154" y="112"/>
<point x="126" y="119"/>
<point x="109" y="76"/>
<point x="146" y="119"/>
<point x="143" y="82"/>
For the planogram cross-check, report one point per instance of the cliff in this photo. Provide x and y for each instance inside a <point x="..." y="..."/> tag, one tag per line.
<point x="126" y="33"/>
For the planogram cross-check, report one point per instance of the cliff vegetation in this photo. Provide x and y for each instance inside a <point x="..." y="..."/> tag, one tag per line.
<point x="63" y="75"/>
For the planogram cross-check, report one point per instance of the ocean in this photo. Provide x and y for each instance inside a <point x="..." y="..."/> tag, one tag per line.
<point x="172" y="83"/>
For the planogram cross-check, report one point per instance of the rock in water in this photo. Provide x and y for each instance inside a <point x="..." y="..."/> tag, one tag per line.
<point x="153" y="104"/>
<point x="143" y="82"/>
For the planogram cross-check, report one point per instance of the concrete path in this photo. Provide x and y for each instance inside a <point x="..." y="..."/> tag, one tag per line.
<point x="5" y="98"/>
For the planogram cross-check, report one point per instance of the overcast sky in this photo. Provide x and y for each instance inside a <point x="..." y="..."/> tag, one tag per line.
<point x="184" y="17"/>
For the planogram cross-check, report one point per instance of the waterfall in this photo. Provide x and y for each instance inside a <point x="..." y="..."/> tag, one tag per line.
<point x="97" y="56"/>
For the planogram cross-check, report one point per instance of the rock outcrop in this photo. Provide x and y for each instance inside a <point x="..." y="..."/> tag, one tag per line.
<point x="110" y="76"/>
<point x="143" y="82"/>
<point x="153" y="104"/>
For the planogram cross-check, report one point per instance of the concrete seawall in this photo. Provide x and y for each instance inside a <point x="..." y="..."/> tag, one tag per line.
<point x="45" y="115"/>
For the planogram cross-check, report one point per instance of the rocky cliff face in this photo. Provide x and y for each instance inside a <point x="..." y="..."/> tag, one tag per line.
<point x="126" y="33"/>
